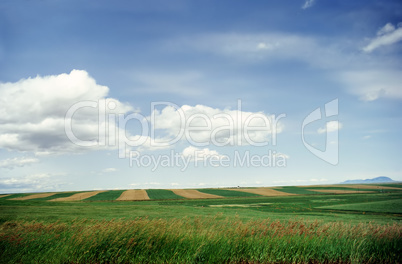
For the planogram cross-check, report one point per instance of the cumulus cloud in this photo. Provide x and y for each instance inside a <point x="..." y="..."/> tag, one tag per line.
<point x="374" y="84"/>
<point x="197" y="154"/>
<point x="34" y="182"/>
<point x="330" y="127"/>
<point x="33" y="111"/>
<point x="202" y="125"/>
<point x="308" y="4"/>
<point x="17" y="162"/>
<point x="70" y="113"/>
<point x="387" y="35"/>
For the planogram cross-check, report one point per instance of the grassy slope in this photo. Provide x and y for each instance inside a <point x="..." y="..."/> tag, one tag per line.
<point x="160" y="194"/>
<point x="397" y="185"/>
<point x="228" y="193"/>
<point x="281" y="208"/>
<point x="15" y="195"/>
<point x="390" y="206"/>
<point x="190" y="231"/>
<point x="295" y="190"/>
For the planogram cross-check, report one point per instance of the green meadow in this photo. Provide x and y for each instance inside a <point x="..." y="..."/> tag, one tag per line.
<point x="303" y="228"/>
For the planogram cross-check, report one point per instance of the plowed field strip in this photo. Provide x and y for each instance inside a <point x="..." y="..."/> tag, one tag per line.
<point x="34" y="196"/>
<point x="133" y="195"/>
<point x="263" y="191"/>
<point x="77" y="196"/>
<point x="194" y="194"/>
<point x="363" y="186"/>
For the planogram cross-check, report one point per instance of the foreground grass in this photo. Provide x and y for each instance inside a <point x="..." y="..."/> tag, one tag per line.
<point x="199" y="240"/>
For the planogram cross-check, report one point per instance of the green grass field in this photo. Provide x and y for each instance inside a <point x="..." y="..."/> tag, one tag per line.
<point x="389" y="206"/>
<point x="16" y="195"/>
<point x="318" y="228"/>
<point x="106" y="196"/>
<point x="160" y="194"/>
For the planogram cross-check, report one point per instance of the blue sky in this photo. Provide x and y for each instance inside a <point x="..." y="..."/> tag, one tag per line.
<point x="209" y="62"/>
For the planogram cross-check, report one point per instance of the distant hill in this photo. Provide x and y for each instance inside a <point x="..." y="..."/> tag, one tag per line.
<point x="381" y="179"/>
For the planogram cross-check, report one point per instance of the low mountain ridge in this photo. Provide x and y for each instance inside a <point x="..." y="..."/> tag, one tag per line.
<point x="381" y="179"/>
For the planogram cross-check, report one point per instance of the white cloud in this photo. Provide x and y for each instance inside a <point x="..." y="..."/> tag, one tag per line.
<point x="387" y="35"/>
<point x="202" y="125"/>
<point x="330" y="127"/>
<point x="107" y="170"/>
<point x="17" y="162"/>
<point x="32" y="112"/>
<point x="308" y="4"/>
<point x="41" y="130"/>
<point x="197" y="154"/>
<point x="34" y="182"/>
<point x="388" y="28"/>
<point x="373" y="84"/>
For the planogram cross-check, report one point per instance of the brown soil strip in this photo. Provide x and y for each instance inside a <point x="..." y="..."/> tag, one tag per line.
<point x="34" y="196"/>
<point x="263" y="191"/>
<point x="4" y="195"/>
<point x="77" y="196"/>
<point x="133" y="195"/>
<point x="194" y="194"/>
<point x="338" y="191"/>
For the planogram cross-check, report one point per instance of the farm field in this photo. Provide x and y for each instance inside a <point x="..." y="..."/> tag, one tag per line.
<point x="228" y="192"/>
<point x="166" y="228"/>
<point x="158" y="194"/>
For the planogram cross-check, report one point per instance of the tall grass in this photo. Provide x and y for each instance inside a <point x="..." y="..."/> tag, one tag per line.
<point x="199" y="240"/>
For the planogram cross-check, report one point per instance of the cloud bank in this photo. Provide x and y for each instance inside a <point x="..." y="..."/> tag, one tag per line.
<point x="17" y="162"/>
<point x="32" y="112"/>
